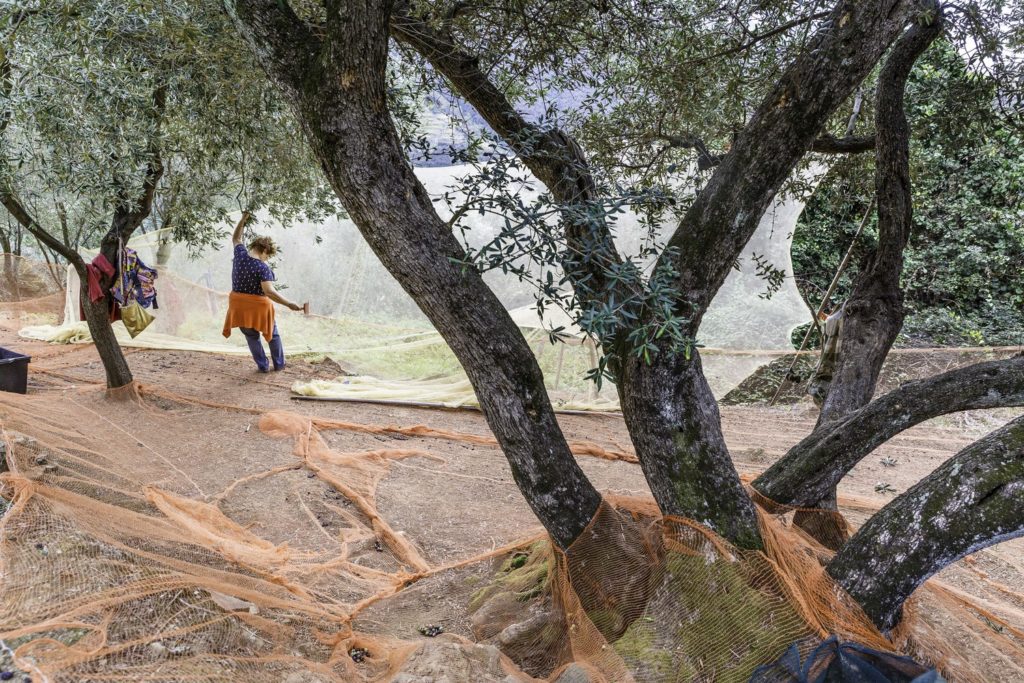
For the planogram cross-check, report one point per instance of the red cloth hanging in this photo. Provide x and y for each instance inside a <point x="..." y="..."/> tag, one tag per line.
<point x="99" y="266"/>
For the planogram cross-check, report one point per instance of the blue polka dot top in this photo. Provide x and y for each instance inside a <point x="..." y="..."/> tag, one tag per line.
<point x="247" y="273"/>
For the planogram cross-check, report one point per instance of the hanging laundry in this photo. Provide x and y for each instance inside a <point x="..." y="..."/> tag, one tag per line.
<point x="99" y="266"/>
<point x="134" y="291"/>
<point x="137" y="283"/>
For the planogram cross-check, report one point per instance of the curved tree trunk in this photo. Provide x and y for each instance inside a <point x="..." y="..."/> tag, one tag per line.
<point x="811" y="469"/>
<point x="337" y="88"/>
<point x="974" y="500"/>
<point x="873" y="314"/>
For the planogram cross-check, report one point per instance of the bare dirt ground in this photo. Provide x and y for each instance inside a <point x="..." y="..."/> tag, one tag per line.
<point x="454" y="507"/>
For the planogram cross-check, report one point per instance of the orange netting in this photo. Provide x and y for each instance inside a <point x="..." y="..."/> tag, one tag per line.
<point x="125" y="558"/>
<point x="136" y="548"/>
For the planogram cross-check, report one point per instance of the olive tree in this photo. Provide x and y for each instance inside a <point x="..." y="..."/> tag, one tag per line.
<point x="330" y="62"/>
<point x="115" y="115"/>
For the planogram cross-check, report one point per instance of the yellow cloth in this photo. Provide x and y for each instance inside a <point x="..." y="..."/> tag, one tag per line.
<point x="250" y="310"/>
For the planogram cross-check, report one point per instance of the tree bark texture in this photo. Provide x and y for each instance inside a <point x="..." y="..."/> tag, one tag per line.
<point x="811" y="469"/>
<point x="97" y="317"/>
<point x="974" y="500"/>
<point x="337" y="89"/>
<point x="873" y="315"/>
<point x="673" y="420"/>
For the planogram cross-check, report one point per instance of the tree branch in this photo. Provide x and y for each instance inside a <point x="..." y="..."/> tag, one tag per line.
<point x="826" y="144"/>
<point x="758" y="38"/>
<point x="21" y="214"/>
<point x="974" y="500"/>
<point x="851" y="144"/>
<point x="553" y="156"/>
<point x="727" y="211"/>
<point x="812" y="468"/>
<point x="128" y="216"/>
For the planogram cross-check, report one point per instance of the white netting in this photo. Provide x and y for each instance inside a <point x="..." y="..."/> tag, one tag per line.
<point x="373" y="329"/>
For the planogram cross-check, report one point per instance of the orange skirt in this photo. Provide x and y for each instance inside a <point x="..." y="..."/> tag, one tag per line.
<point x="254" y="311"/>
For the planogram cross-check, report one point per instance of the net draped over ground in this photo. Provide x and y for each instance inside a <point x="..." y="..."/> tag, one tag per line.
<point x="123" y="560"/>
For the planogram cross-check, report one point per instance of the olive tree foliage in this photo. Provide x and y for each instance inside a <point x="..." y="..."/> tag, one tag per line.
<point x="654" y="92"/>
<point x="610" y="75"/>
<point x="235" y="148"/>
<point x="116" y="114"/>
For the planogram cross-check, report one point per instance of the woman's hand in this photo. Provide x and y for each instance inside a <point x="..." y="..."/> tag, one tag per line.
<point x="295" y="307"/>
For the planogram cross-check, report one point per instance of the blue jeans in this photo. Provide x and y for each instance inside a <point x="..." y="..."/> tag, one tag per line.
<point x="252" y="337"/>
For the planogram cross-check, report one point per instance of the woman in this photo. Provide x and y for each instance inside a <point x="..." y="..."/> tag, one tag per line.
<point x="250" y="306"/>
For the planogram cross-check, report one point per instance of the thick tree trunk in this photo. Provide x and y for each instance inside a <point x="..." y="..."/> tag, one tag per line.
<point x="726" y="212"/>
<point x="673" y="419"/>
<point x="974" y="500"/>
<point x="811" y="470"/>
<point x="337" y="88"/>
<point x="97" y="316"/>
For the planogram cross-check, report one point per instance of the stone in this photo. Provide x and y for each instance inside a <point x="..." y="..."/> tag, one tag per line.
<point x="574" y="673"/>
<point x="495" y="614"/>
<point x="524" y="632"/>
<point x="446" y="660"/>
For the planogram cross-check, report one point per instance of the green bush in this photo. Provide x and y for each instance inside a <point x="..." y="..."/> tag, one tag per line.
<point x="962" y="275"/>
